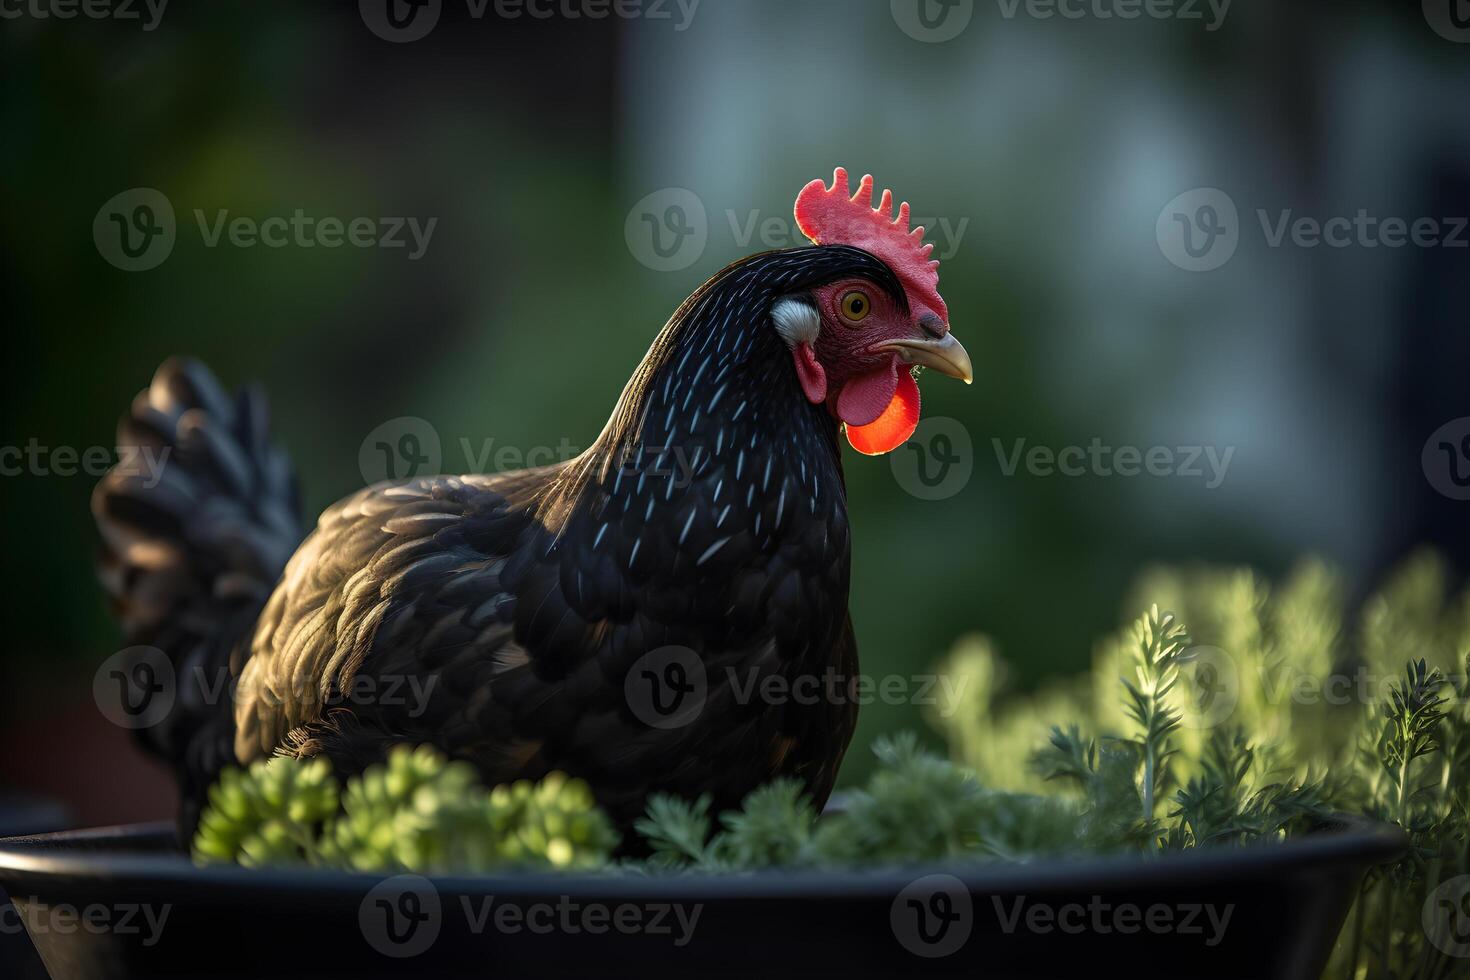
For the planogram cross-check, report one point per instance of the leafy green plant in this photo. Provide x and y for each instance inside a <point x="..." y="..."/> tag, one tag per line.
<point x="916" y="807"/>
<point x="773" y="828"/>
<point x="417" y="812"/>
<point x="1321" y="715"/>
<point x="1158" y="643"/>
<point x="1413" y="772"/>
<point x="268" y="814"/>
<point x="1327" y="714"/>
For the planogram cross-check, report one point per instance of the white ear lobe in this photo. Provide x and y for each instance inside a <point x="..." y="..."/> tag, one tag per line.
<point x="796" y="321"/>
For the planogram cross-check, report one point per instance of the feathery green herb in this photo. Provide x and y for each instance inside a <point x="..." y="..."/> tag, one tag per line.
<point x="1271" y="713"/>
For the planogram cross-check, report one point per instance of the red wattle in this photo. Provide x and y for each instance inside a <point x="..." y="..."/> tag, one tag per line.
<point x="894" y="425"/>
<point x="864" y="398"/>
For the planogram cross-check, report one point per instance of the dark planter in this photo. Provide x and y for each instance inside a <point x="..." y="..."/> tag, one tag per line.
<point x="21" y="814"/>
<point x="1266" y="911"/>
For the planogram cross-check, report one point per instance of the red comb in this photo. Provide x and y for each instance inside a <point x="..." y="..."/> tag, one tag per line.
<point x="831" y="217"/>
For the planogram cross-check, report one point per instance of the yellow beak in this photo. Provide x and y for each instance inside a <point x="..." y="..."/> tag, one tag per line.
<point x="945" y="355"/>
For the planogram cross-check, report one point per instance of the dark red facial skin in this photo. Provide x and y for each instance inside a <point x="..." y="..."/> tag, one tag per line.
<point x="845" y="349"/>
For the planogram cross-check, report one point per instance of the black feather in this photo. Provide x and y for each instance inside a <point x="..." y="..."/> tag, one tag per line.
<point x="709" y="514"/>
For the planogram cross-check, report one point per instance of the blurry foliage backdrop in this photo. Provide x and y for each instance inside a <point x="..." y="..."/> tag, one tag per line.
<point x="530" y="139"/>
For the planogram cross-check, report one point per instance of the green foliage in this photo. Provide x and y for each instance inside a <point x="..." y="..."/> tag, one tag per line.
<point x="1325" y="714"/>
<point x="270" y="813"/>
<point x="989" y="728"/>
<point x="418" y="812"/>
<point x="1231" y="800"/>
<point x="1412" y="771"/>
<point x="554" y="822"/>
<point x="677" y="832"/>
<point x="773" y="828"/>
<point x="1158" y="643"/>
<point x="916" y="807"/>
<point x="1319" y="716"/>
<point x="1110" y="816"/>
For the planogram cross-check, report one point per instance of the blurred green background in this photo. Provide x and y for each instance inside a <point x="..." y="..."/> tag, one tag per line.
<point x="1057" y="141"/>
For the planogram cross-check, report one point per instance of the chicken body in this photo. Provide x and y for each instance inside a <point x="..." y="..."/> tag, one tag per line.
<point x="619" y="616"/>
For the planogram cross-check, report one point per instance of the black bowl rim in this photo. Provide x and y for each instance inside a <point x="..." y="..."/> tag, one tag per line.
<point x="1343" y="841"/>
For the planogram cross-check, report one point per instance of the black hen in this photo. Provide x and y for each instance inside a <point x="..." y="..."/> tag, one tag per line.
<point x="615" y="616"/>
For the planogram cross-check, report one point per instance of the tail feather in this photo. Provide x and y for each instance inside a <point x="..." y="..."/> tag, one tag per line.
<point x="198" y="519"/>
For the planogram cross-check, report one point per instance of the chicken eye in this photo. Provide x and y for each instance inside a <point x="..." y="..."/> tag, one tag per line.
<point x="855" y="306"/>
